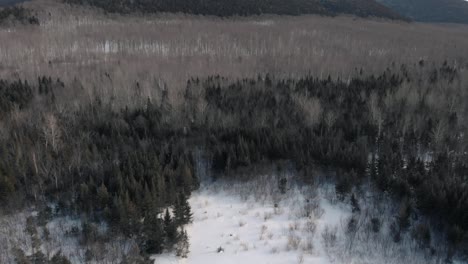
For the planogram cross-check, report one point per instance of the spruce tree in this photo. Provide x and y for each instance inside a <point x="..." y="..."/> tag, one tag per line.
<point x="182" y="211"/>
<point x="58" y="258"/>
<point x="182" y="246"/>
<point x="153" y="234"/>
<point x="170" y="229"/>
<point x="355" y="204"/>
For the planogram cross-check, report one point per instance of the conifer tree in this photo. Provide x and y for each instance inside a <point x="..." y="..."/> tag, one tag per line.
<point x="182" y="246"/>
<point x="355" y="204"/>
<point x="153" y="233"/>
<point x="182" y="211"/>
<point x="170" y="229"/>
<point x="58" y="258"/>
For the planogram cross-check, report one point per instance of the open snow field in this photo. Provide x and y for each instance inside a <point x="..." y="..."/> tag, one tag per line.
<point x="255" y="223"/>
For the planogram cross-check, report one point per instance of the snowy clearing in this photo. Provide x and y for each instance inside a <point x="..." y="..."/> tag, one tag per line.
<point x="252" y="222"/>
<point x="232" y="225"/>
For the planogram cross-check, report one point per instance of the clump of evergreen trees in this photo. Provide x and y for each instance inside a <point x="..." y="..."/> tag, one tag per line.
<point x="18" y="14"/>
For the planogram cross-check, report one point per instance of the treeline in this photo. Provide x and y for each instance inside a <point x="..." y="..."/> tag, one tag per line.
<point x="18" y="14"/>
<point x="447" y="11"/>
<point x="223" y="8"/>
<point x="115" y="166"/>
<point x="134" y="167"/>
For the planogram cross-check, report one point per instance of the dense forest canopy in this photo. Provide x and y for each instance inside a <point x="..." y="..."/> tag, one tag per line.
<point x="363" y="8"/>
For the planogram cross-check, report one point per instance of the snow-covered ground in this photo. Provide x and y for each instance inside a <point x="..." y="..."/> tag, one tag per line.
<point x="254" y="223"/>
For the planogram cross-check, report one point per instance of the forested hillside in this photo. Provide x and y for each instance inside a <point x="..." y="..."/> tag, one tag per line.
<point x="17" y="15"/>
<point x="364" y="8"/>
<point x="449" y="11"/>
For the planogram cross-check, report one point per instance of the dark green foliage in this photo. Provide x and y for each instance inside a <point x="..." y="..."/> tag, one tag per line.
<point x="182" y="211"/>
<point x="351" y="226"/>
<point x="422" y="235"/>
<point x="153" y="235"/>
<point x="375" y="225"/>
<point x="403" y="217"/>
<point x="170" y="229"/>
<point x="18" y="14"/>
<point x="355" y="204"/>
<point x="58" y="258"/>
<point x="39" y="258"/>
<point x="6" y="187"/>
<point x="395" y="232"/>
<point x="223" y="8"/>
<point x="44" y="216"/>
<point x="17" y="93"/>
<point x="182" y="248"/>
<point x="282" y="185"/>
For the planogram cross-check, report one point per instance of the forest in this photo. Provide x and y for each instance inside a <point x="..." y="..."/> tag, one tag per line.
<point x="17" y="14"/>
<point x="145" y="129"/>
<point x="121" y="165"/>
<point x="363" y="8"/>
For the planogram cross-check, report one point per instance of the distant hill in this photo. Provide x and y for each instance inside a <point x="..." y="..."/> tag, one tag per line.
<point x="10" y="2"/>
<point x="450" y="11"/>
<point x="362" y="8"/>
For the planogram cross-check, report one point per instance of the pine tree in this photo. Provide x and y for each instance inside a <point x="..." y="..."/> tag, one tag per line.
<point x="170" y="229"/>
<point x="153" y="233"/>
<point x="182" y="246"/>
<point x="282" y="185"/>
<point x="187" y="210"/>
<point x="102" y="196"/>
<point x="58" y="258"/>
<point x="355" y="204"/>
<point x="182" y="211"/>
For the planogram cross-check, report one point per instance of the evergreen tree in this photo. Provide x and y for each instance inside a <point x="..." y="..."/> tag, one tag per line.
<point x="182" y="246"/>
<point x="153" y="234"/>
<point x="182" y="211"/>
<point x="58" y="258"/>
<point x="282" y="185"/>
<point x="355" y="204"/>
<point x="170" y="229"/>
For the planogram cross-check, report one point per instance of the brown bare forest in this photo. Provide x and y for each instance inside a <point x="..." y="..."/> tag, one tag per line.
<point x="112" y="52"/>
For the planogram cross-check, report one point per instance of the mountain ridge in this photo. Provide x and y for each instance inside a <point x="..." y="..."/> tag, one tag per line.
<point x="225" y="8"/>
<point x="439" y="11"/>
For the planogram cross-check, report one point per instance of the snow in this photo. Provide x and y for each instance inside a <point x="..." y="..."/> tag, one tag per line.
<point x="245" y="223"/>
<point x="254" y="223"/>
